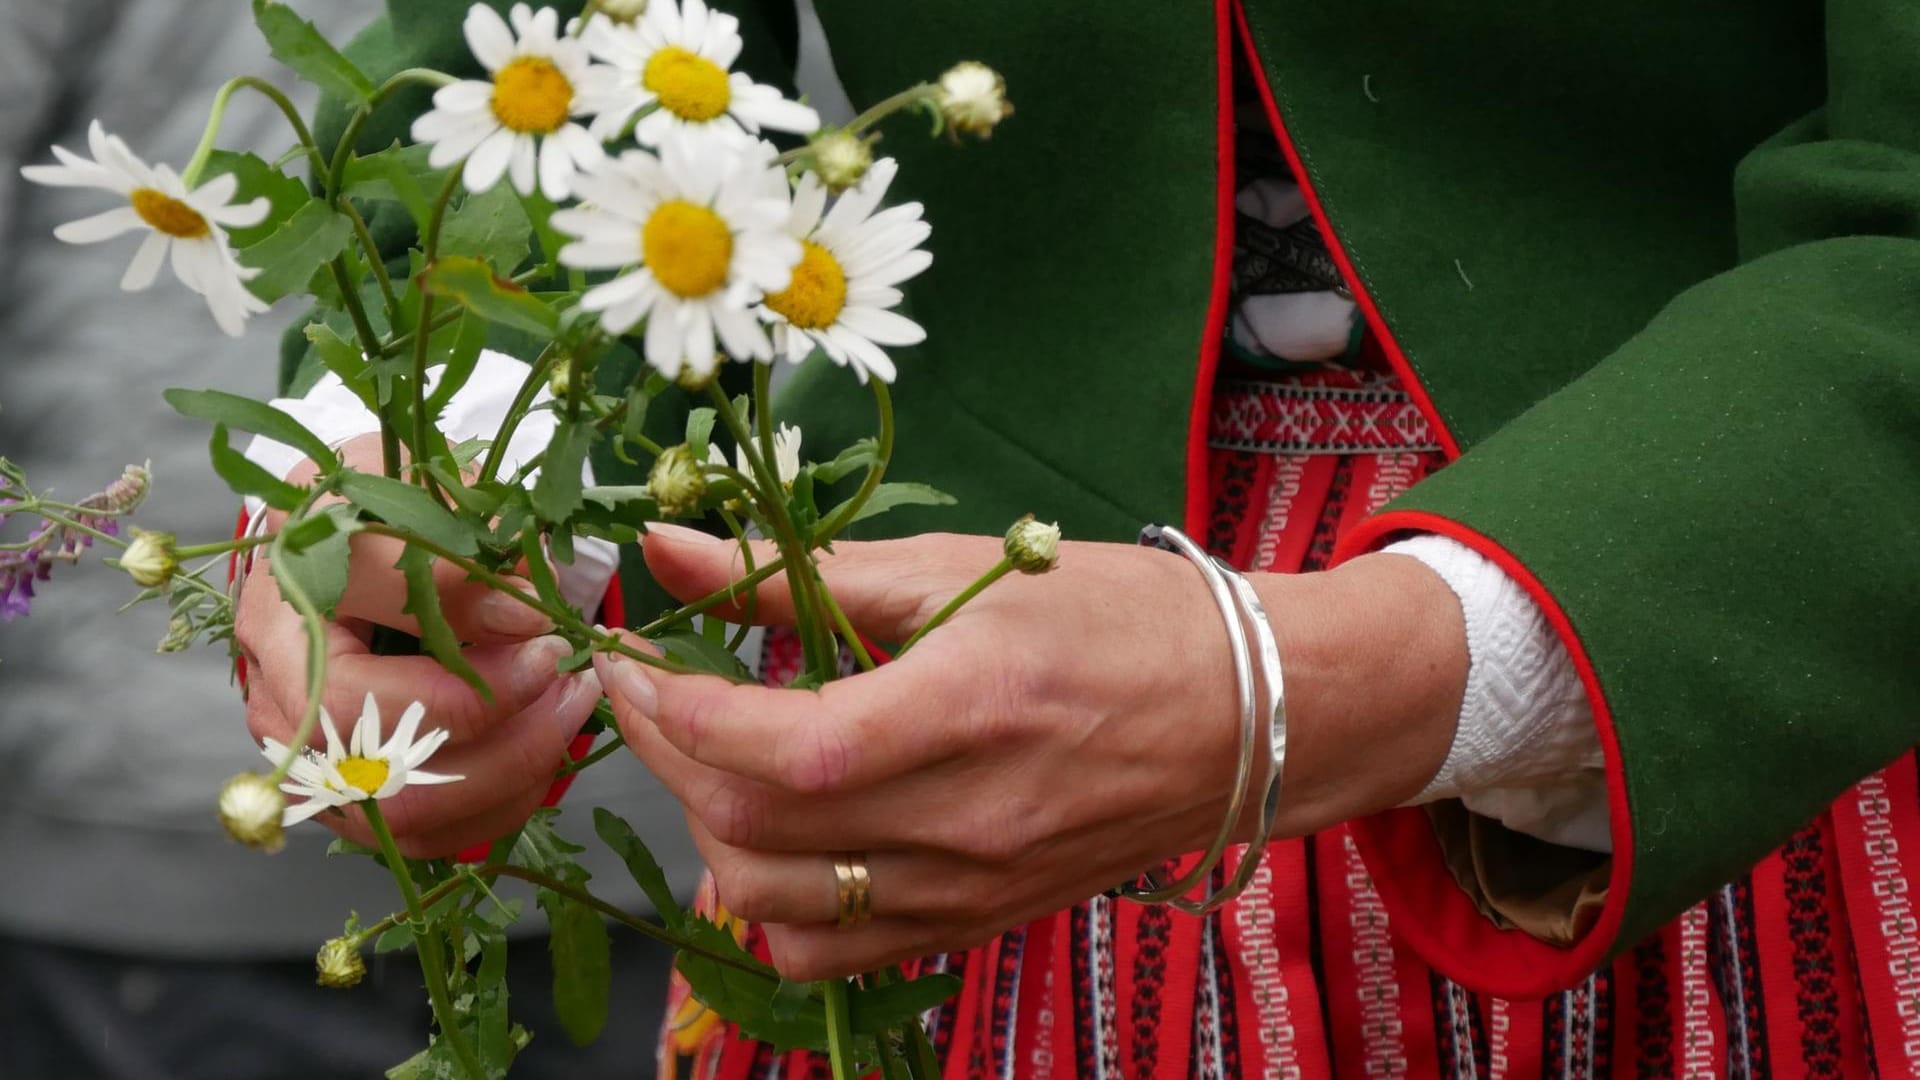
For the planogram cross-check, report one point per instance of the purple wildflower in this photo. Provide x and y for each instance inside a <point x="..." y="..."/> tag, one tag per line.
<point x="51" y="543"/>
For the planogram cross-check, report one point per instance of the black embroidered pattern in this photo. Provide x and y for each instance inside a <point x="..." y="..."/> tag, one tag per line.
<point x="1149" y="982"/>
<point x="1816" y="1000"/>
<point x="1233" y="492"/>
<point x="1006" y="987"/>
<point x="1653" y="1019"/>
<point x="1734" y="959"/>
<point x="1320" y="549"/>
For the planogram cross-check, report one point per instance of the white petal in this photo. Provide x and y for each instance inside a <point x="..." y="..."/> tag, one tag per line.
<point x="217" y="191"/>
<point x="740" y="333"/>
<point x="415" y="777"/>
<point x="242" y="215"/>
<point x="404" y="731"/>
<point x="366" y="731"/>
<point x="900" y="269"/>
<point x="465" y="96"/>
<point x="664" y="347"/>
<point x="488" y="37"/>
<point x="101" y="226"/>
<point x="882" y="327"/>
<point x="335" y="750"/>
<point x="809" y="200"/>
<point x="146" y="263"/>
<point x="299" y="812"/>
<point x="663" y="16"/>
<point x="521" y="168"/>
<point x="763" y="107"/>
<point x="865" y="357"/>
<point x="599" y="254"/>
<point x="858" y="204"/>
<point x="699" y="333"/>
<point x="428" y="745"/>
<point x="488" y="161"/>
<point x="556" y="170"/>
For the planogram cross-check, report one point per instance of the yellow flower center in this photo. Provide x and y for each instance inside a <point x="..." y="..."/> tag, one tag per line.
<point x="813" y="299"/>
<point x="689" y="86"/>
<point x="687" y="247"/>
<point x="168" y="214"/>
<point x="367" y="774"/>
<point x="530" y="95"/>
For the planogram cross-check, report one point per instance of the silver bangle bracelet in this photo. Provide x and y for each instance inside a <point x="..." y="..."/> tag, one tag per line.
<point x="1158" y="889"/>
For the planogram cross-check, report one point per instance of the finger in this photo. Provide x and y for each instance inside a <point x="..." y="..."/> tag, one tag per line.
<point x="782" y="887"/>
<point x="377" y="592"/>
<point x="845" y="736"/>
<point x="827" y="951"/>
<point x="887" y="588"/>
<point x="446" y="841"/>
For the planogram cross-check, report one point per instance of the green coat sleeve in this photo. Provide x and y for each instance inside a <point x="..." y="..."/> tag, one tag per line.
<point x="1721" y="520"/>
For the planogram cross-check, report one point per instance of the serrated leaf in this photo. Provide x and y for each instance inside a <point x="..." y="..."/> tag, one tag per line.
<point x="342" y="846"/>
<point x="313" y="529"/>
<point x="344" y="359"/>
<point x="462" y="341"/>
<point x="436" y="635"/>
<point x="859" y="456"/>
<point x="296" y="43"/>
<point x="692" y="649"/>
<point x="247" y="478"/>
<point x="876" y="1009"/>
<point x="491" y="226"/>
<point x="313" y="235"/>
<point x="557" y="493"/>
<point x="246" y="414"/>
<point x="393" y="939"/>
<point x="469" y="282"/>
<point x="397" y="174"/>
<point x="582" y="965"/>
<point x="887" y="496"/>
<point x="538" y="570"/>
<point x="319" y="571"/>
<point x="258" y="180"/>
<point x="746" y="1000"/>
<point x="405" y="506"/>
<point x="540" y="848"/>
<point x="639" y="861"/>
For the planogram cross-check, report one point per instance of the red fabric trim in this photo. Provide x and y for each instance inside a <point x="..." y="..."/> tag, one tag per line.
<point x="1434" y="915"/>
<point x="1199" y="494"/>
<point x="1376" y="324"/>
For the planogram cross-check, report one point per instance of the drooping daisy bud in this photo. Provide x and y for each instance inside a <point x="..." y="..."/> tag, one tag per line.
<point x="251" y="809"/>
<point x="149" y="559"/>
<point x="677" y="482"/>
<point x="339" y="964"/>
<point x="841" y="158"/>
<point x="623" y="11"/>
<point x="973" y="98"/>
<point x="1033" y="547"/>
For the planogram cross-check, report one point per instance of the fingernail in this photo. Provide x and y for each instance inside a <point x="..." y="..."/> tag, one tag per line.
<point x="679" y="534"/>
<point x="584" y="685"/>
<point x="502" y="614"/>
<point x="538" y="664"/>
<point x="626" y="680"/>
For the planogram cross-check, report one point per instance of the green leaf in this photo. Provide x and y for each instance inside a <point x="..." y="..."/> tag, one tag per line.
<point x="695" y="651"/>
<point x="640" y="862"/>
<point x="314" y="234"/>
<point x="887" y="496"/>
<point x="876" y="1009"/>
<point x="700" y="430"/>
<point x="298" y="45"/>
<point x="860" y="455"/>
<point x="746" y="1000"/>
<point x="247" y="478"/>
<point x="311" y="530"/>
<point x="490" y="226"/>
<point x="397" y="174"/>
<point x="319" y="571"/>
<point x="539" y="848"/>
<point x="342" y="846"/>
<point x="582" y="965"/>
<point x="557" y="493"/>
<point x="344" y="359"/>
<point x="464" y="340"/>
<point x="246" y="414"/>
<point x="469" y="282"/>
<point x="394" y="938"/>
<point x="436" y="635"/>
<point x="495" y="1042"/>
<point x="407" y="507"/>
<point x="539" y="571"/>
<point x="258" y="180"/>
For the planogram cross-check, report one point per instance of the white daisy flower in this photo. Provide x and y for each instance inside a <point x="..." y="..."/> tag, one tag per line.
<point x="705" y="222"/>
<point x="522" y="114"/>
<point x="676" y="57"/>
<point x="786" y="455"/>
<point x="845" y="283"/>
<point x="189" y="226"/>
<point x="365" y="768"/>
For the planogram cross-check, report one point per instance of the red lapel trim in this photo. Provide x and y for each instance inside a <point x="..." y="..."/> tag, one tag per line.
<point x="1428" y="909"/>
<point x="1376" y="324"/>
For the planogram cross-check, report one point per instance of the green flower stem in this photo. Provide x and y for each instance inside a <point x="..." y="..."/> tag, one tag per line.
<point x="427" y="940"/>
<point x="343" y="151"/>
<point x="632" y="922"/>
<point x="522" y="399"/>
<point x="833" y="993"/>
<point x="190" y="175"/>
<point x="847" y="632"/>
<point x="883" y="454"/>
<point x="1001" y="569"/>
<point x="746" y="557"/>
<point x="882" y="109"/>
<point x="222" y="547"/>
<point x="47" y="510"/>
<point x="392" y="346"/>
<point x="374" y="260"/>
<point x="600" y="753"/>
<point x="727" y="594"/>
<point x="563" y="618"/>
<point x="370" y="346"/>
<point x="292" y="592"/>
<point x="431" y="251"/>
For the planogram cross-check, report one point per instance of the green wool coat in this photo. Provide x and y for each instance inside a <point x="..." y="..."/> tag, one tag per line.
<point x="1654" y="267"/>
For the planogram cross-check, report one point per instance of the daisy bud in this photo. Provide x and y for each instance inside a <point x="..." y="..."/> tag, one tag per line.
<point x="251" y="809"/>
<point x="973" y="98"/>
<point x="1032" y="547"/>
<point x="339" y="964"/>
<point x="677" y="481"/>
<point x="694" y="380"/>
<point x="841" y="159"/>
<point x="559" y="380"/>
<point x="623" y="11"/>
<point x="149" y="559"/>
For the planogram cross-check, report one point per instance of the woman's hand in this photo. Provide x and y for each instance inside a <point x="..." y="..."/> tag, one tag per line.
<point x="1060" y="735"/>
<point x="508" y="749"/>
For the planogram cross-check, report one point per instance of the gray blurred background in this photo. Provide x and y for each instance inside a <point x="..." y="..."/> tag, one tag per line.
<point x="136" y="941"/>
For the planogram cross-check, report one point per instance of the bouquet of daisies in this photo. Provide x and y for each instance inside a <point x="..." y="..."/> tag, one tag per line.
<point x="611" y="188"/>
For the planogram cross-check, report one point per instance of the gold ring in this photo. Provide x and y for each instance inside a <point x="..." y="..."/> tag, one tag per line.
<point x="856" y="889"/>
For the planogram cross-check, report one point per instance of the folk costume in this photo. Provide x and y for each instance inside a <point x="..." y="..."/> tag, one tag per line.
<point x="1635" y="322"/>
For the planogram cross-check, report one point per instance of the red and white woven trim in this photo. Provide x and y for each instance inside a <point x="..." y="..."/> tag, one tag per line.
<point x="1334" y="412"/>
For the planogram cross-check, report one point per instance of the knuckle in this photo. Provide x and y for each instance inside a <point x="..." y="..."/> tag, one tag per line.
<point x="998" y="833"/>
<point x="814" y="761"/>
<point x="743" y="891"/>
<point x="735" y="815"/>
